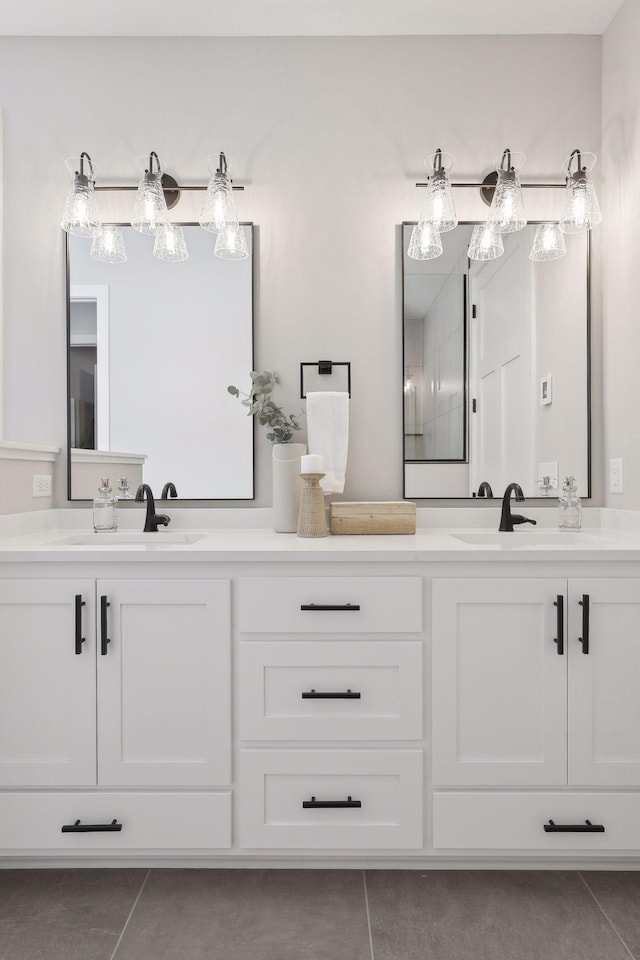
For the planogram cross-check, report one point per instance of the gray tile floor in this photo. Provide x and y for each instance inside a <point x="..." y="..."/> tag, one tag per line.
<point x="318" y="915"/>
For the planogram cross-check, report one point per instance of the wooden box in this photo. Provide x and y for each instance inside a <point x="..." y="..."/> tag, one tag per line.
<point x="386" y="517"/>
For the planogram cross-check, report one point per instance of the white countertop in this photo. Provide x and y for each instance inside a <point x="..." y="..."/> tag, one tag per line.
<point x="606" y="536"/>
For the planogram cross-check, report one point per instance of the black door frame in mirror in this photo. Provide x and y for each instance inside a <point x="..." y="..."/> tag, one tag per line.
<point x="179" y="500"/>
<point x="471" y="223"/>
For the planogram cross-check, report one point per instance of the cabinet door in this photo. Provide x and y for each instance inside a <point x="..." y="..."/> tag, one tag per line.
<point x="604" y="680"/>
<point x="164" y="683"/>
<point x="47" y="683"/>
<point x="499" y="685"/>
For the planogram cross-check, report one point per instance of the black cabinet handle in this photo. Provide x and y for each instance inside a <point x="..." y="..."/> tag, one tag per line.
<point x="104" y="628"/>
<point x="559" y="640"/>
<point x="340" y="695"/>
<point x="79" y="638"/>
<point x="330" y="606"/>
<point x="586" y="827"/>
<point x="78" y="827"/>
<point x="314" y="804"/>
<point x="584" y="639"/>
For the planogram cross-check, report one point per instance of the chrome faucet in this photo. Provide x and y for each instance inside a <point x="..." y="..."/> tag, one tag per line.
<point x="484" y="490"/>
<point x="153" y="520"/>
<point x="508" y="519"/>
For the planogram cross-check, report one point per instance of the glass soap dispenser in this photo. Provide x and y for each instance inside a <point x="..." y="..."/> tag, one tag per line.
<point x="105" y="509"/>
<point x="570" y="506"/>
<point x="124" y="489"/>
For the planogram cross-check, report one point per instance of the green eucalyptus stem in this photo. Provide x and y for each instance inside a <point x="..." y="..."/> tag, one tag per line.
<point x="260" y="405"/>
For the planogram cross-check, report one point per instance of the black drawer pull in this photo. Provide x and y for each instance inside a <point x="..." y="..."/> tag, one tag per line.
<point x="316" y="695"/>
<point x="584" y="639"/>
<point x="78" y="827"/>
<point x="586" y="827"/>
<point x="330" y="606"/>
<point x="559" y="640"/>
<point x="104" y="627"/>
<point x="314" y="804"/>
<point x="79" y="638"/>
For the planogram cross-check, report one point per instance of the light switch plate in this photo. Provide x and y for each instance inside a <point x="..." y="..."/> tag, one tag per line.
<point x="42" y="485"/>
<point x="616" y="479"/>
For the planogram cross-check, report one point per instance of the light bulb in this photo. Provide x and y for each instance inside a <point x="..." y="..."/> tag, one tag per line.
<point x="425" y="242"/>
<point x="486" y="243"/>
<point x="507" y="207"/>
<point x="80" y="216"/>
<point x="581" y="210"/>
<point x="548" y="243"/>
<point x="108" y="245"/>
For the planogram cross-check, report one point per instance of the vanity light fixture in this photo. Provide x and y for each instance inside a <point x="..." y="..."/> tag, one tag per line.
<point x="80" y="216"/>
<point x="169" y="243"/>
<point x="425" y="242"/>
<point x="150" y="210"/>
<point x="548" y="243"/>
<point x="108" y="245"/>
<point x="507" y="207"/>
<point x="581" y="209"/>
<point x="486" y="243"/>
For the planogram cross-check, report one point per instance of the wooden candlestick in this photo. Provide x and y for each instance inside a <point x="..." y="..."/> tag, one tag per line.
<point x="312" y="519"/>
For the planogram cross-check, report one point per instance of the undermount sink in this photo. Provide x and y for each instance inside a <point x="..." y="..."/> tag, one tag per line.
<point x="150" y="540"/>
<point x="526" y="540"/>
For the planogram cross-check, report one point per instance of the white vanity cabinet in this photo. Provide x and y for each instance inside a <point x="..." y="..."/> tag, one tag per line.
<point x="499" y="683"/>
<point x="345" y="670"/>
<point x="115" y="683"/>
<point x="47" y="683"/>
<point x="164" y="692"/>
<point x="535" y="682"/>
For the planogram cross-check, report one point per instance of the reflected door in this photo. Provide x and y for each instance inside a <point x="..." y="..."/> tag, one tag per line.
<point x="500" y="374"/>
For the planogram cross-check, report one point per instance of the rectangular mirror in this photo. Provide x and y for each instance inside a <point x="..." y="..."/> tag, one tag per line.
<point x="152" y="347"/>
<point x="495" y="369"/>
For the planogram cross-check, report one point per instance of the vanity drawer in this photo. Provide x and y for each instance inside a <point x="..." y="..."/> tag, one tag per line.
<point x="366" y="690"/>
<point x="342" y="605"/>
<point x="347" y="800"/>
<point x="150" y="821"/>
<point x="515" y="821"/>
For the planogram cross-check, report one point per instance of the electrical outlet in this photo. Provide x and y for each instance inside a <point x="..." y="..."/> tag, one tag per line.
<point x="616" y="480"/>
<point x="42" y="485"/>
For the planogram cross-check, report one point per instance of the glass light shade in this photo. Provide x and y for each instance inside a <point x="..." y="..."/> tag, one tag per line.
<point x="439" y="207"/>
<point x="548" y="243"/>
<point x="150" y="210"/>
<point x="80" y="216"/>
<point x="506" y="213"/>
<point x="170" y="244"/>
<point x="581" y="210"/>
<point x="425" y="242"/>
<point x="108" y="245"/>
<point x="219" y="206"/>
<point x="486" y="243"/>
<point x="231" y="243"/>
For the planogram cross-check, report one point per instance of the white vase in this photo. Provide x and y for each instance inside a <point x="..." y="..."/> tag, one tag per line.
<point x="287" y="485"/>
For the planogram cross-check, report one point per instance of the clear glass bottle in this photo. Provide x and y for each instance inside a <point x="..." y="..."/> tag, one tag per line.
<point x="546" y="487"/>
<point x="570" y="506"/>
<point x="105" y="509"/>
<point x="124" y="489"/>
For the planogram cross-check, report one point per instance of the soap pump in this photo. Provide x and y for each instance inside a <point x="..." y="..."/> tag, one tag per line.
<point x="105" y="509"/>
<point x="570" y="506"/>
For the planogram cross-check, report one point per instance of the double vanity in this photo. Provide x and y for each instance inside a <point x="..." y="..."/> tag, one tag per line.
<point x="235" y="696"/>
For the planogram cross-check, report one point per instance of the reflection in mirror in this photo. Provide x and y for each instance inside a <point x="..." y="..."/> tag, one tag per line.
<point x="152" y="348"/>
<point x="496" y="379"/>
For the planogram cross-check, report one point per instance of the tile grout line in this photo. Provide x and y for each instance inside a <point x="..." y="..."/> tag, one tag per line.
<point x="366" y="903"/>
<point x="606" y="916"/>
<point x="126" y="923"/>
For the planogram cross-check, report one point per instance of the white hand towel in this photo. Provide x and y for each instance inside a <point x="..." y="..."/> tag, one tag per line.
<point x="328" y="435"/>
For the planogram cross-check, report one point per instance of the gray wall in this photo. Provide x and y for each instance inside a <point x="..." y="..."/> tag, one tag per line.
<point x="621" y="232"/>
<point x="328" y="135"/>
